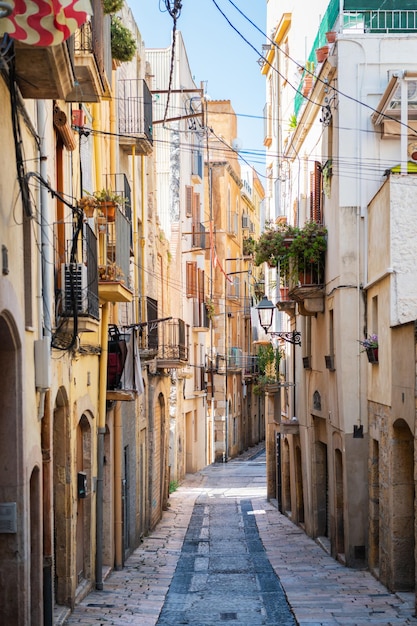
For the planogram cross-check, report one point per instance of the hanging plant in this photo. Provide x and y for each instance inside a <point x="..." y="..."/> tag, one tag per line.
<point x="112" y="6"/>
<point x="123" y="43"/>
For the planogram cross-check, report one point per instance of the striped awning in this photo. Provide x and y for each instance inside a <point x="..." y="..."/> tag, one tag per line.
<point x="44" y="22"/>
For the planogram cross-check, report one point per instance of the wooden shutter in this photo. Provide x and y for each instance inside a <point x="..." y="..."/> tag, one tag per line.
<point x="191" y="279"/>
<point x="196" y="208"/>
<point x="316" y="194"/>
<point x="189" y="200"/>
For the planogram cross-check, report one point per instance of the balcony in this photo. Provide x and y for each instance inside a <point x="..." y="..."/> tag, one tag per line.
<point x="92" y="58"/>
<point x="198" y="239"/>
<point x="44" y="73"/>
<point x="135" y="116"/>
<point x="173" y="342"/>
<point x="201" y="321"/>
<point x="196" y="167"/>
<point x="306" y="287"/>
<point x="114" y="267"/>
<point x="79" y="289"/>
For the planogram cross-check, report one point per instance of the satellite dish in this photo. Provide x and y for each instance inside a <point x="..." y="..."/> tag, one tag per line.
<point x="237" y="144"/>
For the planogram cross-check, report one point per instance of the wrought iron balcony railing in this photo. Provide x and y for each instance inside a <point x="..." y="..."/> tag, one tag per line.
<point x="173" y="343"/>
<point x="135" y="115"/>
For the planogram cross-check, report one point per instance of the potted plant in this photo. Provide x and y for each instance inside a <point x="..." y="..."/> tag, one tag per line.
<point x="274" y="248"/>
<point x="107" y="201"/>
<point x="331" y="36"/>
<point x="88" y="204"/>
<point x="370" y="346"/>
<point x="110" y="272"/>
<point x="322" y="53"/>
<point x="268" y="363"/>
<point x="307" y="253"/>
<point x="123" y="43"/>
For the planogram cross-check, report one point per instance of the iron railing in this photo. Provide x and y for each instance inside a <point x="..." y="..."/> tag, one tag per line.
<point x="135" y="109"/>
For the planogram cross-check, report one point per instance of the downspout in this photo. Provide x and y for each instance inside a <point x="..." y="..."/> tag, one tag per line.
<point x="100" y="443"/>
<point x="45" y="326"/>
<point x="143" y="239"/>
<point x="118" y="424"/>
<point x="118" y="502"/>
<point x="102" y="382"/>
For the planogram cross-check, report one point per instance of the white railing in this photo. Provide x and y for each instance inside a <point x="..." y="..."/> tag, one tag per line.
<point x="380" y="21"/>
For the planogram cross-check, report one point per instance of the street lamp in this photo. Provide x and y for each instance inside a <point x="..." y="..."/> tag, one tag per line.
<point x="265" y="313"/>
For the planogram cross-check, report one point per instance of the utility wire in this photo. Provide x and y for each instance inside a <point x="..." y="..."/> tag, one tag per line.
<point x="272" y="42"/>
<point x="174" y="11"/>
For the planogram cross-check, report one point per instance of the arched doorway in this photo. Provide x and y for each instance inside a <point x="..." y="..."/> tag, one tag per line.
<point x="286" y="477"/>
<point x="83" y="524"/>
<point x="321" y="489"/>
<point x="403" y="519"/>
<point x="64" y="591"/>
<point x="35" y="548"/>
<point x="15" y="578"/>
<point x="158" y="459"/>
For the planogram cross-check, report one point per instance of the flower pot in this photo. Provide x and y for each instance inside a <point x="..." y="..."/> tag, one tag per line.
<point x="109" y="210"/>
<point x="372" y="354"/>
<point x="283" y="294"/>
<point x="307" y="85"/>
<point x="331" y="36"/>
<point x="322" y="54"/>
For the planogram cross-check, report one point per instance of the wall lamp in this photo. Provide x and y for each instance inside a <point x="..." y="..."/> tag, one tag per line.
<point x="266" y="313"/>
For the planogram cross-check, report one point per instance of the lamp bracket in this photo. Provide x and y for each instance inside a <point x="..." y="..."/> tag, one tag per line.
<point x="293" y="336"/>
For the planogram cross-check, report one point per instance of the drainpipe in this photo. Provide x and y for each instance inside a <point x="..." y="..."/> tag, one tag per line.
<point x="143" y="239"/>
<point x="100" y="443"/>
<point x="44" y="342"/>
<point x="105" y="312"/>
<point x="118" y="523"/>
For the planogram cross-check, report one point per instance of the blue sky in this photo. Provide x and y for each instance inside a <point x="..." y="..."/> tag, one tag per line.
<point x="218" y="55"/>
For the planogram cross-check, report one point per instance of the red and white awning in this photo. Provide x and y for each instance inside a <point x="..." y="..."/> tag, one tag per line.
<point x="44" y="22"/>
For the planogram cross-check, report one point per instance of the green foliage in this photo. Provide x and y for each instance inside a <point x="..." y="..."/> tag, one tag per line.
<point x="292" y="124"/>
<point x="287" y="247"/>
<point x="248" y="246"/>
<point x="173" y="486"/>
<point x="123" y="43"/>
<point x="112" y="6"/>
<point x="273" y="247"/>
<point x="106" y="195"/>
<point x="269" y="359"/>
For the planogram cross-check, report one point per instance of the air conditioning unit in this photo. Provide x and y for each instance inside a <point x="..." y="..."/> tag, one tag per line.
<point x="245" y="221"/>
<point x="74" y="288"/>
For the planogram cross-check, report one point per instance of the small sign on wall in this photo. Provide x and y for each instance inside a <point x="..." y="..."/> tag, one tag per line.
<point x="8" y="517"/>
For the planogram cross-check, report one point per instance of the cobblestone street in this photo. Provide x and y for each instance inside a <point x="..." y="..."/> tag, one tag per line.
<point x="223" y="554"/>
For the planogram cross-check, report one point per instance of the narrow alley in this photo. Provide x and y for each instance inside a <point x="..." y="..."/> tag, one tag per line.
<point x="222" y="553"/>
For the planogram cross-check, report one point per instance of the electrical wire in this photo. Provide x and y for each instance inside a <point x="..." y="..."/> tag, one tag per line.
<point x="280" y="49"/>
<point x="174" y="11"/>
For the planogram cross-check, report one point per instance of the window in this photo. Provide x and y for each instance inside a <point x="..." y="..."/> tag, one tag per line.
<point x="189" y="200"/>
<point x="316" y="194"/>
<point x="191" y="279"/>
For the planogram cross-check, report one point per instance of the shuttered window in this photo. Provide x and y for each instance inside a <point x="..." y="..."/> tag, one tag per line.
<point x="191" y="279"/>
<point x="316" y="194"/>
<point x="189" y="201"/>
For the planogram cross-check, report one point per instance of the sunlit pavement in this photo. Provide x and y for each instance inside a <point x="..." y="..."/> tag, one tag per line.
<point x="319" y="590"/>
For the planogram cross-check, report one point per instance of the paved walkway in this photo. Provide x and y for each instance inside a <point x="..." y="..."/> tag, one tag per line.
<point x="320" y="591"/>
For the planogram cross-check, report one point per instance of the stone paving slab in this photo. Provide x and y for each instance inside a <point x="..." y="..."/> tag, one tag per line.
<point x="321" y="591"/>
